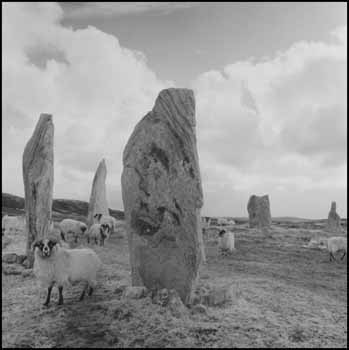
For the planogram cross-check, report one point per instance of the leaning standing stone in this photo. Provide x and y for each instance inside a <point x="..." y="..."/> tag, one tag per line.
<point x="258" y="208"/>
<point x="38" y="181"/>
<point x="98" y="200"/>
<point x="162" y="195"/>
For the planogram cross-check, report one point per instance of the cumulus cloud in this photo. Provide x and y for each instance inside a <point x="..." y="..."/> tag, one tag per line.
<point x="277" y="124"/>
<point x="109" y="9"/>
<point x="96" y="90"/>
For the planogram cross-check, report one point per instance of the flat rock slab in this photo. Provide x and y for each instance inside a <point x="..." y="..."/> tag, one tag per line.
<point x="162" y="195"/>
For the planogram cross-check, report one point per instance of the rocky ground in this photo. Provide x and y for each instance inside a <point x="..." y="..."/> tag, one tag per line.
<point x="280" y="294"/>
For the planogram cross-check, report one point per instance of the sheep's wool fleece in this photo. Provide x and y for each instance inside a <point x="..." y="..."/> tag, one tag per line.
<point x="67" y="266"/>
<point x="226" y="242"/>
<point x="162" y="195"/>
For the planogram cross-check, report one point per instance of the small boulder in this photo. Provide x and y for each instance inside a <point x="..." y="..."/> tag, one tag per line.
<point x="199" y="309"/>
<point x="12" y="269"/>
<point x="9" y="258"/>
<point x="135" y="292"/>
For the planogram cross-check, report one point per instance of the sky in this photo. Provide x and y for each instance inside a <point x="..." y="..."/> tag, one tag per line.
<point x="270" y="83"/>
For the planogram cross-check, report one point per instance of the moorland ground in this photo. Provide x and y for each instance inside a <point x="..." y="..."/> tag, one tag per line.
<point x="283" y="295"/>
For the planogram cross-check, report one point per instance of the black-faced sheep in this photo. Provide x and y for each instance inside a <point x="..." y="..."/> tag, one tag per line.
<point x="106" y="219"/>
<point x="226" y="241"/>
<point x="98" y="233"/>
<point x="333" y="245"/>
<point x="55" y="264"/>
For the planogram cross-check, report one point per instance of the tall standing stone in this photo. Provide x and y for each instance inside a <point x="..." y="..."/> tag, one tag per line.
<point x="258" y="208"/>
<point x="334" y="220"/>
<point x="38" y="181"/>
<point x="162" y="195"/>
<point x="98" y="200"/>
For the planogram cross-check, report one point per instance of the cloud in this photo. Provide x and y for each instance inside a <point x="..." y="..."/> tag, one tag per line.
<point x="277" y="124"/>
<point x="96" y="90"/>
<point x="111" y="9"/>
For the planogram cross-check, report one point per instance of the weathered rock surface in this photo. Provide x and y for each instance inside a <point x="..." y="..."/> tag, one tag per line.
<point x="135" y="292"/>
<point x="162" y="195"/>
<point x="258" y="208"/>
<point x="38" y="181"/>
<point x="98" y="200"/>
<point x="333" y="221"/>
<point x="212" y="295"/>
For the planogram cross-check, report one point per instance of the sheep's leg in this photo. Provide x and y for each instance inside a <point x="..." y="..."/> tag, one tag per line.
<point x="60" y="299"/>
<point x="83" y="292"/>
<point x="49" y="289"/>
<point x="96" y="240"/>
<point x="90" y="291"/>
<point x="343" y="256"/>
<point x="332" y="256"/>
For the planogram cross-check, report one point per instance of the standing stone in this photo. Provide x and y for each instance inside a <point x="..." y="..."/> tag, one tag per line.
<point x="38" y="182"/>
<point x="333" y="221"/>
<point x="98" y="200"/>
<point x="162" y="195"/>
<point x="258" y="208"/>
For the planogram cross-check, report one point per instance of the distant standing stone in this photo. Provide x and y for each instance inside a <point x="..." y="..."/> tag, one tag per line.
<point x="334" y="220"/>
<point x="38" y="181"/>
<point x="162" y="195"/>
<point x="258" y="208"/>
<point x="98" y="200"/>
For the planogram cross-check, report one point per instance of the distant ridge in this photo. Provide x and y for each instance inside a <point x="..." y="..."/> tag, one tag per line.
<point x="62" y="208"/>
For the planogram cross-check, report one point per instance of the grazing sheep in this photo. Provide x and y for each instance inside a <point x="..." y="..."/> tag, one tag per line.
<point x="63" y="266"/>
<point x="333" y="245"/>
<point x="106" y="219"/>
<point x="98" y="233"/>
<point x="72" y="230"/>
<point x="12" y="223"/>
<point x="226" y="241"/>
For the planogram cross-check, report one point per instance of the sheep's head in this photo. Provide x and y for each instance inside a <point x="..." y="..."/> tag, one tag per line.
<point x="83" y="227"/>
<point x="221" y="233"/>
<point x="322" y="243"/>
<point x="97" y="217"/>
<point x="45" y="247"/>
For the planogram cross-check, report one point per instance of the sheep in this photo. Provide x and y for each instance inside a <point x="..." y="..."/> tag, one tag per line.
<point x="72" y="227"/>
<point x="98" y="233"/>
<point x="12" y="223"/>
<point x="106" y="219"/>
<point x="56" y="264"/>
<point x="333" y="245"/>
<point x="226" y="241"/>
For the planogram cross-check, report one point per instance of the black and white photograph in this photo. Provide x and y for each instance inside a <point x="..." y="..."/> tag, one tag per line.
<point x="174" y="174"/>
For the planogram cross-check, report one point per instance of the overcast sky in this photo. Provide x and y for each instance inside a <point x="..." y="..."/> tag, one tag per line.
<point x="270" y="81"/>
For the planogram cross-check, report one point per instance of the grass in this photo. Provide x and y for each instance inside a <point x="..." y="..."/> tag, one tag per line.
<point x="284" y="295"/>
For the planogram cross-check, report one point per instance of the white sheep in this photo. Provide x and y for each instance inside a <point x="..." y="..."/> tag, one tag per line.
<point x="98" y="233"/>
<point x="56" y="264"/>
<point x="333" y="245"/>
<point x="106" y="219"/>
<point x="72" y="230"/>
<point x="226" y="241"/>
<point x="12" y="223"/>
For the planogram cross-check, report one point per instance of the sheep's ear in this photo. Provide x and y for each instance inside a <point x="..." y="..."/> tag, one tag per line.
<point x="34" y="245"/>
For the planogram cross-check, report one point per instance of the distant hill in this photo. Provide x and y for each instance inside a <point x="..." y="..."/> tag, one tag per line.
<point x="61" y="208"/>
